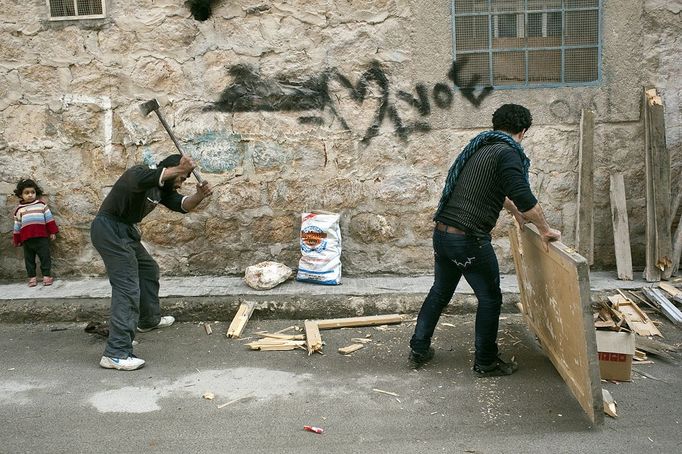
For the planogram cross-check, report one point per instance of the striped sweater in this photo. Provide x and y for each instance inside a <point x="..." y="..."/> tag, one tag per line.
<point x="493" y="172"/>
<point x="33" y="220"/>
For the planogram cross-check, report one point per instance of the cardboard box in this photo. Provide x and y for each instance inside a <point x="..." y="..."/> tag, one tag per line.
<point x="615" y="352"/>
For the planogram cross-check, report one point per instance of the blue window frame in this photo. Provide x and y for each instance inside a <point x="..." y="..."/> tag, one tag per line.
<point x="527" y="43"/>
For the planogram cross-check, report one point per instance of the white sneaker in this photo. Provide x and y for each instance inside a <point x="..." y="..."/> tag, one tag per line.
<point x="130" y="363"/>
<point x="165" y="322"/>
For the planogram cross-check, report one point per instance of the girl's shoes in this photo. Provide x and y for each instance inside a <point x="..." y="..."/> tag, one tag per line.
<point x="47" y="280"/>
<point x="32" y="282"/>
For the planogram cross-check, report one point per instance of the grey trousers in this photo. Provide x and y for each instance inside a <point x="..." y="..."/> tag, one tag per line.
<point x="134" y="278"/>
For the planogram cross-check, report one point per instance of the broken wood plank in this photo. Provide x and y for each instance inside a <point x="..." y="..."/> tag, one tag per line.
<point x="609" y="404"/>
<point x="673" y="291"/>
<point x="669" y="310"/>
<point x="313" y="339"/>
<point x="240" y="319"/>
<point x="636" y="319"/>
<point x="385" y="392"/>
<point x="273" y="344"/>
<point x="281" y="336"/>
<point x="360" y="340"/>
<point x="349" y="322"/>
<point x="657" y="166"/>
<point x="350" y="349"/>
<point x="554" y="289"/>
<point x="584" y="222"/>
<point x="621" y="230"/>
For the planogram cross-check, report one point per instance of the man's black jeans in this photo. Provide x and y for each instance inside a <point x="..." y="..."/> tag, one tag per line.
<point x="474" y="258"/>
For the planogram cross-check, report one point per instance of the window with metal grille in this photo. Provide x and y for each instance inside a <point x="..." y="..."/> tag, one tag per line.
<point x="76" y="9"/>
<point x="527" y="43"/>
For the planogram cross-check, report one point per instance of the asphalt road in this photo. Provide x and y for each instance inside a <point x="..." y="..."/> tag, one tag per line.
<point x="54" y="398"/>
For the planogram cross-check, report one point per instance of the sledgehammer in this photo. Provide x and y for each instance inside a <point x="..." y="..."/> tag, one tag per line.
<point x="153" y="105"/>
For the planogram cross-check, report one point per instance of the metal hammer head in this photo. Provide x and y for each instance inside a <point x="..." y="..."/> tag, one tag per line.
<point x="149" y="106"/>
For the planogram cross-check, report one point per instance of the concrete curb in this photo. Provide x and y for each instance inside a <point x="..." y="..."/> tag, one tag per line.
<point x="199" y="298"/>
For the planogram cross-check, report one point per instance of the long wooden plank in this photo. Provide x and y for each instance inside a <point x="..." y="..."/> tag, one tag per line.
<point x="350" y="322"/>
<point x="657" y="165"/>
<point x="584" y="220"/>
<point x="240" y="319"/>
<point x="621" y="230"/>
<point x="555" y="295"/>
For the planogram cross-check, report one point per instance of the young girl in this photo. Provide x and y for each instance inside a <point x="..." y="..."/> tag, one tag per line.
<point x="33" y="225"/>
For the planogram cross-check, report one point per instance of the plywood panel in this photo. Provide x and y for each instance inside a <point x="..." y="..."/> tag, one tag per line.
<point x="555" y="297"/>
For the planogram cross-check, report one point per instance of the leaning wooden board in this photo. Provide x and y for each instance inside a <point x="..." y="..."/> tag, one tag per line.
<point x="554" y="288"/>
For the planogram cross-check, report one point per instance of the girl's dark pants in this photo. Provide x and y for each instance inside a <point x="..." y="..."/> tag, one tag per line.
<point x="41" y="248"/>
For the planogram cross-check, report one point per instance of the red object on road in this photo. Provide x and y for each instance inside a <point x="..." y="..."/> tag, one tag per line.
<point x="317" y="430"/>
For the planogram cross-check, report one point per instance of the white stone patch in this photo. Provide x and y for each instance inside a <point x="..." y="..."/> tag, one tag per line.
<point x="226" y="385"/>
<point x="14" y="392"/>
<point x="127" y="400"/>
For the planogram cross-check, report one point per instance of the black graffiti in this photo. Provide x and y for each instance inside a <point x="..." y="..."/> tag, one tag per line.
<point x="467" y="88"/>
<point x="250" y="92"/>
<point x="201" y="9"/>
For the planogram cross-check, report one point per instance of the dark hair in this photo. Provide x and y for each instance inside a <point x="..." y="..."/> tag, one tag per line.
<point x="512" y="118"/>
<point x="27" y="183"/>
<point x="170" y="161"/>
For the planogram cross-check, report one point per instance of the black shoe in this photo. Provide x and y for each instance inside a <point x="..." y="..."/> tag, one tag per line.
<point x="497" y="369"/>
<point x="418" y="359"/>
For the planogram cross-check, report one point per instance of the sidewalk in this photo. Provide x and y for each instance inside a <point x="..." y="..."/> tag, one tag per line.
<point x="198" y="298"/>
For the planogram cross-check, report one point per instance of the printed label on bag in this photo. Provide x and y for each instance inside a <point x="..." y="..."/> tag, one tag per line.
<point x="313" y="239"/>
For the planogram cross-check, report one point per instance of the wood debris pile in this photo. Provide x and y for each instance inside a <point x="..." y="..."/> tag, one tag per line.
<point x="622" y="314"/>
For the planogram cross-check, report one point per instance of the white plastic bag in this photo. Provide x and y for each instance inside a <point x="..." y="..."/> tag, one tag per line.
<point x="320" y="241"/>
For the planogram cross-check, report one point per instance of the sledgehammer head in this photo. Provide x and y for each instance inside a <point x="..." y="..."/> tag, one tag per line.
<point x="149" y="106"/>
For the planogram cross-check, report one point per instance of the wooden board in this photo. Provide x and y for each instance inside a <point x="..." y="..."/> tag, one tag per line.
<point x="621" y="230"/>
<point x="554" y="288"/>
<point x="240" y="319"/>
<point x="584" y="220"/>
<point x="349" y="322"/>
<point x="657" y="165"/>
<point x="313" y="340"/>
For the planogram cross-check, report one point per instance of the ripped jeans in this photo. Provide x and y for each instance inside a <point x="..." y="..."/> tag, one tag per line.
<point x="457" y="255"/>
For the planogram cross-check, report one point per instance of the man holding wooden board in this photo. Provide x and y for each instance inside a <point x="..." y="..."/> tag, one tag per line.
<point x="490" y="173"/>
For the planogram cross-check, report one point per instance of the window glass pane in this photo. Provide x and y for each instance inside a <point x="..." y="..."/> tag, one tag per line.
<point x="474" y="70"/>
<point x="581" y="65"/>
<point x="471" y="6"/>
<point x="88" y="7"/>
<point x="471" y="32"/>
<point x="509" y="31"/>
<point x="60" y="8"/>
<point x="508" y="5"/>
<point x="581" y="27"/>
<point x="506" y="26"/>
<point x="554" y="24"/>
<point x="581" y="3"/>
<point x="544" y="66"/>
<point x="543" y="4"/>
<point x="534" y="25"/>
<point x="509" y="68"/>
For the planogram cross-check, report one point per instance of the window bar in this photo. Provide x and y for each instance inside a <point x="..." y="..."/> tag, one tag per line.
<point x="491" y="74"/>
<point x="525" y="40"/>
<point x="453" y="31"/>
<point x="563" y="42"/>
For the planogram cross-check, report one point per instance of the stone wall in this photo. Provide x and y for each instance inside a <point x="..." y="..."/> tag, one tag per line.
<point x="311" y="138"/>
